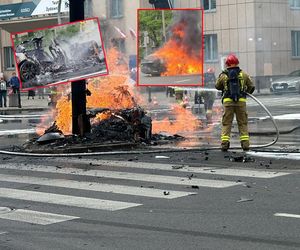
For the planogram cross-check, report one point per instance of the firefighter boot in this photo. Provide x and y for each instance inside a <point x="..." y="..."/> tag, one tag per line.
<point x="225" y="146"/>
<point x="245" y="145"/>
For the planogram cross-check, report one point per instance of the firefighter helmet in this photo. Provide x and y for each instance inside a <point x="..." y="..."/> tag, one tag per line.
<point x="231" y="60"/>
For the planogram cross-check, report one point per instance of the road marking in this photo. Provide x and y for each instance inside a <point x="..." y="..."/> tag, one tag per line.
<point x="35" y="217"/>
<point x="94" y="186"/>
<point x="17" y="131"/>
<point x="289" y="156"/>
<point x="10" y="117"/>
<point x="185" y="168"/>
<point x="185" y="80"/>
<point x="66" y="200"/>
<point x="128" y="176"/>
<point x="287" y="215"/>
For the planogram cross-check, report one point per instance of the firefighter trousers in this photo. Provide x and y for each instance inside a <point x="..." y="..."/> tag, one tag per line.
<point x="240" y="111"/>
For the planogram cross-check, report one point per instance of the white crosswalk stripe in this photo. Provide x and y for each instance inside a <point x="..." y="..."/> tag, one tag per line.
<point x="66" y="200"/>
<point x="183" y="168"/>
<point x="32" y="174"/>
<point x="129" y="176"/>
<point x="94" y="186"/>
<point x="35" y="217"/>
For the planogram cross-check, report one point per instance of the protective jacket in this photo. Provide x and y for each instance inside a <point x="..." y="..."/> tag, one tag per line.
<point x="234" y="83"/>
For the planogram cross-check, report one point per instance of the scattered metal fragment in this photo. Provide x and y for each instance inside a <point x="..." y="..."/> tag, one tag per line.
<point x="241" y="159"/>
<point x="50" y="137"/>
<point x="244" y="199"/>
<point x="177" y="167"/>
<point x="190" y="176"/>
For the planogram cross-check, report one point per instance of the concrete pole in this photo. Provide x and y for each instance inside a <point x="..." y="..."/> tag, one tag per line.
<point x="80" y="122"/>
<point x="164" y="25"/>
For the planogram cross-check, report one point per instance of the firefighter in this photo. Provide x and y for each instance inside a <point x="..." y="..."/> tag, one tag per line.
<point x="181" y="97"/>
<point x="234" y="83"/>
<point x="178" y="94"/>
<point x="209" y="96"/>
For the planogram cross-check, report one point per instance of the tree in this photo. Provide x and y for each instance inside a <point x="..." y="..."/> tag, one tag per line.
<point x="151" y="21"/>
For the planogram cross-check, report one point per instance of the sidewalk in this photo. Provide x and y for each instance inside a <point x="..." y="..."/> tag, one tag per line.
<point x="29" y="104"/>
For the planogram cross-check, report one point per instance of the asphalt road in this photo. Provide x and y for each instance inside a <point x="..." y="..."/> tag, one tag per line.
<point x="95" y="204"/>
<point x="170" y="80"/>
<point x="188" y="200"/>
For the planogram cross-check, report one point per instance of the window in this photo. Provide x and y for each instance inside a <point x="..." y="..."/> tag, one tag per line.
<point x="295" y="4"/>
<point x="88" y="8"/>
<point x="211" y="47"/>
<point x="116" y="8"/>
<point x="209" y="4"/>
<point x="9" y="61"/>
<point x="296" y="44"/>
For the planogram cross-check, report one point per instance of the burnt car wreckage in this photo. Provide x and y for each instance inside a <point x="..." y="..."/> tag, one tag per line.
<point x="34" y="64"/>
<point x="124" y="128"/>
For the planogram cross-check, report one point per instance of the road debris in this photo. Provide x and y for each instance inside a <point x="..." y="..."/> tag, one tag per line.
<point x="241" y="159"/>
<point x="177" y="167"/>
<point x="166" y="192"/>
<point x="244" y="199"/>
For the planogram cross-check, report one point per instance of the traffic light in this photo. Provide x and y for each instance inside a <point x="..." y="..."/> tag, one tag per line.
<point x="161" y="4"/>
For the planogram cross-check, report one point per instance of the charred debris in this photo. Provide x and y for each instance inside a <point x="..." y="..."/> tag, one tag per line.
<point x="122" y="129"/>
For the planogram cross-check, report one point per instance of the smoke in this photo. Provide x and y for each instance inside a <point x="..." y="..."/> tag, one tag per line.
<point x="186" y="30"/>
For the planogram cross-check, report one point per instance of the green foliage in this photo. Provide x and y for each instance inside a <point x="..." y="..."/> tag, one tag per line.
<point x="151" y="21"/>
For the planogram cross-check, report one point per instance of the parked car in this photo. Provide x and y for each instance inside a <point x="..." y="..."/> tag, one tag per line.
<point x="289" y="83"/>
<point x="153" y="65"/>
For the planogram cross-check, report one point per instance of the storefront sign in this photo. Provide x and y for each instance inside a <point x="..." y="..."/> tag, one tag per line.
<point x="16" y="10"/>
<point x="44" y="7"/>
<point x="50" y="7"/>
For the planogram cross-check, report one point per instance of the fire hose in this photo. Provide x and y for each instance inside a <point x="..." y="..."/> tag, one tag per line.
<point x="150" y="151"/>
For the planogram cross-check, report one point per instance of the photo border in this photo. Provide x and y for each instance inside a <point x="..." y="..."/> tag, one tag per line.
<point x="64" y="81"/>
<point x="201" y="84"/>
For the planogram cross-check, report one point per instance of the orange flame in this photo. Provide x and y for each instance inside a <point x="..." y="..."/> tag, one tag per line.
<point x="184" y="121"/>
<point x="177" y="57"/>
<point x="116" y="92"/>
<point x="116" y="62"/>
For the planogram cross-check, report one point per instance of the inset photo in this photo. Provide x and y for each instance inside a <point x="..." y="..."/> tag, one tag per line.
<point x="170" y="47"/>
<point x="59" y="54"/>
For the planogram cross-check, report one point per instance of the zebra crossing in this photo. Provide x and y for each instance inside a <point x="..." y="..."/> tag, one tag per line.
<point x="106" y="179"/>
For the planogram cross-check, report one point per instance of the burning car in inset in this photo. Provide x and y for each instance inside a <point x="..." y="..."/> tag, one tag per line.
<point x="153" y="65"/>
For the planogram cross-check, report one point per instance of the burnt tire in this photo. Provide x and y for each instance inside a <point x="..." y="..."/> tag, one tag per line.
<point x="28" y="71"/>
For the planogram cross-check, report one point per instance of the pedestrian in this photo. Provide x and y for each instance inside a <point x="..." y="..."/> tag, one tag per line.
<point x="3" y="91"/>
<point x="31" y="93"/>
<point x="234" y="83"/>
<point x="14" y="82"/>
<point x="41" y="93"/>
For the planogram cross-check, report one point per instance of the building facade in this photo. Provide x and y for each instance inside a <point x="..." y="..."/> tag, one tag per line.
<point x="265" y="35"/>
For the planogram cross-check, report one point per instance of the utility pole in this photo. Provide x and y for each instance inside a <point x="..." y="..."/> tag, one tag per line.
<point x="164" y="25"/>
<point x="80" y="122"/>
